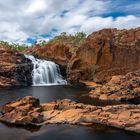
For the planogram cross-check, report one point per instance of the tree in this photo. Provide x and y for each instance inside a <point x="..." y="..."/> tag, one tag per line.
<point x="15" y="46"/>
<point x="80" y="35"/>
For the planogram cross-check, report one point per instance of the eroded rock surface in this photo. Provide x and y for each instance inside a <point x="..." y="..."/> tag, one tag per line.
<point x="59" y="54"/>
<point x="22" y="111"/>
<point x="29" y="111"/>
<point x="120" y="88"/>
<point x="106" y="53"/>
<point x="15" y="69"/>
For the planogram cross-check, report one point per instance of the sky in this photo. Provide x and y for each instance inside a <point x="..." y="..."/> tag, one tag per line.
<point x="25" y="21"/>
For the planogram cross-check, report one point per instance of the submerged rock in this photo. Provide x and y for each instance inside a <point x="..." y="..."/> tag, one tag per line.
<point x="29" y="111"/>
<point x="120" y="88"/>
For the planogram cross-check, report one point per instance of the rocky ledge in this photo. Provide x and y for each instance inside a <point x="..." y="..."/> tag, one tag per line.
<point x="119" y="88"/>
<point x="105" y="53"/>
<point x="28" y="110"/>
<point x="15" y="69"/>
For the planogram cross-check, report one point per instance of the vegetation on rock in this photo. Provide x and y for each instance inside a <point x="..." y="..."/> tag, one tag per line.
<point x="115" y="52"/>
<point x="15" y="69"/>
<point x="64" y="39"/>
<point x="59" y="49"/>
<point x="15" y="46"/>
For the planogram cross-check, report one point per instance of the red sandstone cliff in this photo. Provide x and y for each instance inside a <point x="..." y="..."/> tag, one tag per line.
<point x="106" y="53"/>
<point x="15" y="69"/>
<point x="103" y="54"/>
<point x="60" y="54"/>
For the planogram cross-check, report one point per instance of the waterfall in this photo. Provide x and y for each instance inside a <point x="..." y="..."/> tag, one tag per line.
<point x="45" y="72"/>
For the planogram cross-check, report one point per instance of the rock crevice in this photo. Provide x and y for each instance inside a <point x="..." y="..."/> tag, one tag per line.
<point x="104" y="54"/>
<point x="28" y="110"/>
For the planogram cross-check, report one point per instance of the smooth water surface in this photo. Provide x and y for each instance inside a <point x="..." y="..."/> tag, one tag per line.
<point x="57" y="132"/>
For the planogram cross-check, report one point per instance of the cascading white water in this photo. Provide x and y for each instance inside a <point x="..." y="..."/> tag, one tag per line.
<point x="45" y="72"/>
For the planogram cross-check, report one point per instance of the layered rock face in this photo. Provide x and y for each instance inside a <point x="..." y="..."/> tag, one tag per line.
<point x="120" y="88"/>
<point x="106" y="53"/>
<point x="29" y="111"/>
<point x="15" y="69"/>
<point x="59" y="54"/>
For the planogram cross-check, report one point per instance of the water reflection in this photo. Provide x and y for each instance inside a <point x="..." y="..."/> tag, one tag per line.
<point x="55" y="132"/>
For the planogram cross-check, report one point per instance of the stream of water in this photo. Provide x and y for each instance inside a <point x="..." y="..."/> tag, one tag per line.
<point x="45" y="72"/>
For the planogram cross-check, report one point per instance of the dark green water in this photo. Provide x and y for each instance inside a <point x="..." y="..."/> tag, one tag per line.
<point x="56" y="132"/>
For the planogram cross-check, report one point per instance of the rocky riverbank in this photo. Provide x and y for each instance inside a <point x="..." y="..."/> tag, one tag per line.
<point x="119" y="88"/>
<point x="28" y="110"/>
<point x="15" y="69"/>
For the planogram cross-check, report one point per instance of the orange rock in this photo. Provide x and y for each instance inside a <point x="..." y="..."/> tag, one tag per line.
<point x="119" y="88"/>
<point x="104" y="54"/>
<point x="15" y="69"/>
<point x="22" y="111"/>
<point x="125" y="115"/>
<point x="60" y="54"/>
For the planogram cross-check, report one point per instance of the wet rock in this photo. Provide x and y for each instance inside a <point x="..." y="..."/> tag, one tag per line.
<point x="28" y="111"/>
<point x="15" y="69"/>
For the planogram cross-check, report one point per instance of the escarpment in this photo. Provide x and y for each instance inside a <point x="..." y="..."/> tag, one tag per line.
<point x="106" y="53"/>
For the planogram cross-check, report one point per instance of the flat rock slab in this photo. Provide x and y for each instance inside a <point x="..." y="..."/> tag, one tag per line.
<point x="120" y="88"/>
<point x="90" y="84"/>
<point x="122" y="116"/>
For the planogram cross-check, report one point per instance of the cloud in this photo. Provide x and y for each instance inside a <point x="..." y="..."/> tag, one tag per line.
<point x="97" y="23"/>
<point x="25" y="20"/>
<point x="36" y="6"/>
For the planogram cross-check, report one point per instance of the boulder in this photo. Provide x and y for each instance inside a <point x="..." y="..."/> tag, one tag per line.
<point x="22" y="111"/>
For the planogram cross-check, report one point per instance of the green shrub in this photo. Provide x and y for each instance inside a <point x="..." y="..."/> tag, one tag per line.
<point x="15" y="46"/>
<point x="71" y="41"/>
<point x="94" y="68"/>
<point x="138" y="42"/>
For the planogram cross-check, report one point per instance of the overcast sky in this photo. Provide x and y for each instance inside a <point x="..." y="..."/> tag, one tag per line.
<point x="29" y="20"/>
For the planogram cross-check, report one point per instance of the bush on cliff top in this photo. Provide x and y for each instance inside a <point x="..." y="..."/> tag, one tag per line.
<point x="64" y="39"/>
<point x="17" y="47"/>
